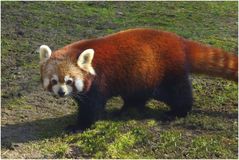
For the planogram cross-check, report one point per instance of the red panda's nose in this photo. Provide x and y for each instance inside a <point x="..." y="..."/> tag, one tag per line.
<point x="61" y="93"/>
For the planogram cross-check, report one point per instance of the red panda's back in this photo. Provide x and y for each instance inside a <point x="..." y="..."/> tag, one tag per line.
<point x="133" y="60"/>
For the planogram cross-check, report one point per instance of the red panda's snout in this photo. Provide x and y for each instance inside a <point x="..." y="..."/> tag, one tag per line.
<point x="63" y="77"/>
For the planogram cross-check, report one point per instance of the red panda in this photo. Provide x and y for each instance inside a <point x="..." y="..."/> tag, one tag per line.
<point x="136" y="64"/>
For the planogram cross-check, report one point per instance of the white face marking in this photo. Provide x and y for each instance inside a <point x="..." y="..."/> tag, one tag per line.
<point x="68" y="90"/>
<point x="46" y="82"/>
<point x="55" y="77"/>
<point x="79" y="85"/>
<point x="68" y="78"/>
<point x="65" y="88"/>
<point x="56" y="88"/>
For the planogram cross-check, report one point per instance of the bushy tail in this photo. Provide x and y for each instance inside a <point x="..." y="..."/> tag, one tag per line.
<point x="212" y="61"/>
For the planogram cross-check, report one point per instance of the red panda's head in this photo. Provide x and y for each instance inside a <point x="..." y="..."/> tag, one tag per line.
<point x="64" y="76"/>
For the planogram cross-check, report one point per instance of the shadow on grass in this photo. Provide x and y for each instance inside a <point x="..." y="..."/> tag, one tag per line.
<point x="54" y="127"/>
<point x="35" y="130"/>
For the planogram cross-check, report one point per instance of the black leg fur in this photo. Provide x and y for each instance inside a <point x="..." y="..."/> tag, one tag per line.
<point x="91" y="109"/>
<point x="177" y="93"/>
<point x="134" y="102"/>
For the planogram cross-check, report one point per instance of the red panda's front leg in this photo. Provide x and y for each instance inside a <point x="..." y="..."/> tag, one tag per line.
<point x="89" y="112"/>
<point x="91" y="109"/>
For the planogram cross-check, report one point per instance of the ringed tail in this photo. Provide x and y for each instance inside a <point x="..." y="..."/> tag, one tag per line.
<point x="205" y="59"/>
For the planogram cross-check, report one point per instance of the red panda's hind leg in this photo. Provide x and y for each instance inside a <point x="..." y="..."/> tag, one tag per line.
<point x="176" y="92"/>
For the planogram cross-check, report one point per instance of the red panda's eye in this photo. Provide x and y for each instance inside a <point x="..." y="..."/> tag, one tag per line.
<point x="69" y="82"/>
<point x="53" y="81"/>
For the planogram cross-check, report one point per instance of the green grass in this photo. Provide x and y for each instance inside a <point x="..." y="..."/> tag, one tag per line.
<point x="18" y="103"/>
<point x="209" y="131"/>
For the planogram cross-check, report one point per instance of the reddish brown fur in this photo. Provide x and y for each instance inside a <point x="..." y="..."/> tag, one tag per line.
<point x="212" y="61"/>
<point x="140" y="58"/>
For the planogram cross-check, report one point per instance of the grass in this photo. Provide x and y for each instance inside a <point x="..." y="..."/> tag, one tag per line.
<point x="209" y="131"/>
<point x="18" y="102"/>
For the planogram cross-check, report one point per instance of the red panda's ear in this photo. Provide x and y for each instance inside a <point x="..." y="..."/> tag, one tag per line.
<point x="45" y="53"/>
<point x="85" y="59"/>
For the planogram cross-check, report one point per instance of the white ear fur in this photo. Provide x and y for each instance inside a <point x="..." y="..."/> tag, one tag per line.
<point x="45" y="52"/>
<point x="85" y="59"/>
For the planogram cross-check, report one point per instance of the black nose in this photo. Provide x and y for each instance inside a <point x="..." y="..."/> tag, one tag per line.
<point x="61" y="93"/>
